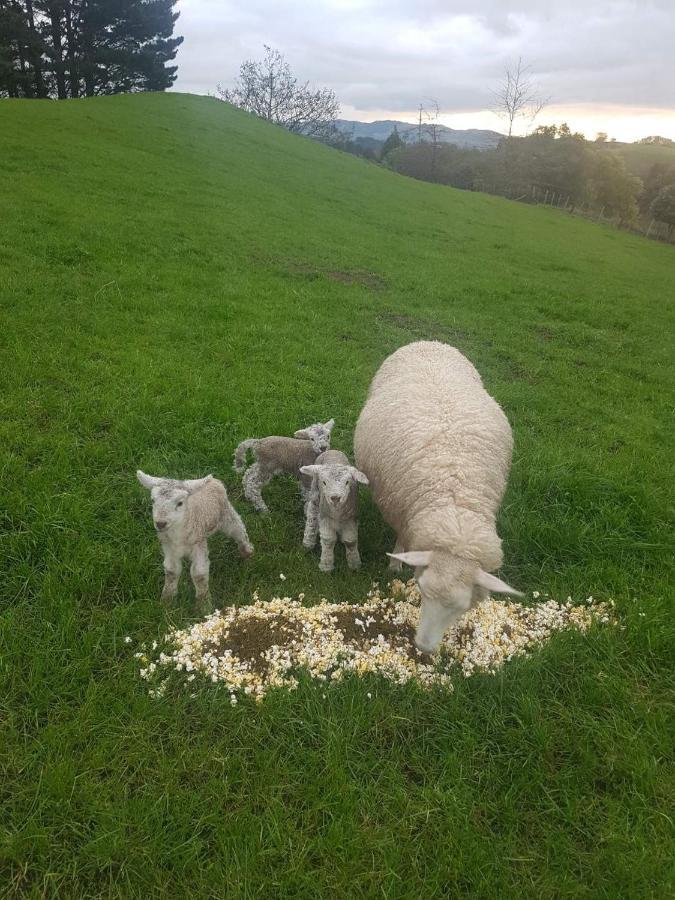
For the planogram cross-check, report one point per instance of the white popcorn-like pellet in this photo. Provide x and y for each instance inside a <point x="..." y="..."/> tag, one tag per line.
<point x="310" y="638"/>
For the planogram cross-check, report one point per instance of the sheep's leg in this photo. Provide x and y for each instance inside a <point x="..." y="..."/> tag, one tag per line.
<point x="311" y="523"/>
<point x="435" y="619"/>
<point x="328" y="539"/>
<point x="233" y="526"/>
<point x="479" y="595"/>
<point x="395" y="565"/>
<point x="254" y="481"/>
<point x="173" y="565"/>
<point x="199" y="572"/>
<point x="349" y="536"/>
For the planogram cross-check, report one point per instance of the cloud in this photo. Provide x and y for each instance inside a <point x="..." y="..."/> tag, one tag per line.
<point x="378" y="55"/>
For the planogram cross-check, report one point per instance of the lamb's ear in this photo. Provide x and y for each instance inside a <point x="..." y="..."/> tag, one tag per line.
<point x="309" y="470"/>
<point x="329" y="425"/>
<point x="492" y="583"/>
<point x="357" y="475"/>
<point x="416" y="558"/>
<point x="148" y="481"/>
<point x="193" y="484"/>
<point x="302" y="434"/>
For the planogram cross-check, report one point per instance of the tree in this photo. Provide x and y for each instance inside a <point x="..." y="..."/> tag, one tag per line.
<point x="518" y="96"/>
<point x="657" y="139"/>
<point x="611" y="188"/>
<point x="601" y="137"/>
<point x="392" y="143"/>
<point x="268" y="89"/>
<point x="660" y="175"/>
<point x="663" y="206"/>
<point x="67" y="48"/>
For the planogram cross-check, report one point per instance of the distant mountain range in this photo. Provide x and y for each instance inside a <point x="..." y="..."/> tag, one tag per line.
<point x="483" y="139"/>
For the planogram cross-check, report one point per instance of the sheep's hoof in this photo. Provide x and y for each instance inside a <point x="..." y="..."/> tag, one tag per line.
<point x="245" y="550"/>
<point x="323" y="568"/>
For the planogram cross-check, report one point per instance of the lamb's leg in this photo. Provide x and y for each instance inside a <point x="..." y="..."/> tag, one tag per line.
<point x="328" y="539"/>
<point x="311" y="523"/>
<point x="435" y="619"/>
<point x="199" y="572"/>
<point x="349" y="535"/>
<point x="234" y="528"/>
<point x="395" y="565"/>
<point x="254" y="481"/>
<point x="173" y="565"/>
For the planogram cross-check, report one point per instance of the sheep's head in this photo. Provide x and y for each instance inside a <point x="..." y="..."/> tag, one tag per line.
<point x="169" y="498"/>
<point x="318" y="434"/>
<point x="335" y="482"/>
<point x="447" y="584"/>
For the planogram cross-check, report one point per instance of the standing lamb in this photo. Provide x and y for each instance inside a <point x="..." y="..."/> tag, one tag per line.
<point x="331" y="508"/>
<point x="185" y="514"/>
<point x="276" y="455"/>
<point x="436" y="449"/>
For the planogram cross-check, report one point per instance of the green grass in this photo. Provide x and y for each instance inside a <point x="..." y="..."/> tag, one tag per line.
<point x="176" y="276"/>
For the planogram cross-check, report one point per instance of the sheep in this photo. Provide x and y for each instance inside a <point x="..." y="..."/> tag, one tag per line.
<point x="276" y="455"/>
<point x="185" y="514"/>
<point x="331" y="508"/>
<point x="436" y="449"/>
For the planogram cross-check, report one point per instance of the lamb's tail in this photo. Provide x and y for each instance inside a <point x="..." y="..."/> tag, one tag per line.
<point x="239" y="465"/>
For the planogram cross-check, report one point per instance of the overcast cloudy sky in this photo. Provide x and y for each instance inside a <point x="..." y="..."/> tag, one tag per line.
<point x="607" y="65"/>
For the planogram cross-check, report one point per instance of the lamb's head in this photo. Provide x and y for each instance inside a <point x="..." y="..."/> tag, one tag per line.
<point x="318" y="434"/>
<point x="169" y="498"/>
<point x="335" y="482"/>
<point x="447" y="584"/>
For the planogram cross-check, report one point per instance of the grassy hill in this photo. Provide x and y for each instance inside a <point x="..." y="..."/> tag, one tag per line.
<point x="176" y="276"/>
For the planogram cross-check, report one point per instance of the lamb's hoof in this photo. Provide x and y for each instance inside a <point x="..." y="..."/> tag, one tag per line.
<point x="204" y="605"/>
<point x="353" y="566"/>
<point x="245" y="550"/>
<point x="326" y="568"/>
<point x="308" y="546"/>
<point x="168" y="599"/>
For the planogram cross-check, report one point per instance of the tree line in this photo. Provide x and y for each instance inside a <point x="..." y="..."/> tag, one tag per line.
<point x="77" y="48"/>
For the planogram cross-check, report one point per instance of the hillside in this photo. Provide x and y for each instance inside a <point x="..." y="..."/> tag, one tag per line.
<point x="176" y="276"/>
<point x="480" y="138"/>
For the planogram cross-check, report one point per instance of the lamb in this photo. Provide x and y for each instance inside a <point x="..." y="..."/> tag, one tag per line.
<point x="275" y="455"/>
<point x="331" y="508"/>
<point x="436" y="449"/>
<point x="185" y="514"/>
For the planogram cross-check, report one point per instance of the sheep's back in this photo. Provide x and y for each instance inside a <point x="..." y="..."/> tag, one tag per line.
<point x="430" y="435"/>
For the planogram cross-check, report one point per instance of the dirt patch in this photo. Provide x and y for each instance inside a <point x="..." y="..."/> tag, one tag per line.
<point x="361" y="629"/>
<point x="250" y="639"/>
<point x="429" y="329"/>
<point x="544" y="333"/>
<point x="370" y="280"/>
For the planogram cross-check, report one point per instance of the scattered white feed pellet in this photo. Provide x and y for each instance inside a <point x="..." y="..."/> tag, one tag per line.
<point x="252" y="649"/>
<point x="127" y="640"/>
<point x="282" y="576"/>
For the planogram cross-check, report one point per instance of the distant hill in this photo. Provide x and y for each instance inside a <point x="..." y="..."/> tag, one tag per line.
<point x="483" y="139"/>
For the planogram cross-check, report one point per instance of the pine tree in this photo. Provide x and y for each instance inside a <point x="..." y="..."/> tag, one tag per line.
<point x="71" y="48"/>
<point x="392" y="143"/>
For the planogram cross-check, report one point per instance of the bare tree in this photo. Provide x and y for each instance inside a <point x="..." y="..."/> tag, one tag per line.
<point x="268" y="89"/>
<point x="518" y="96"/>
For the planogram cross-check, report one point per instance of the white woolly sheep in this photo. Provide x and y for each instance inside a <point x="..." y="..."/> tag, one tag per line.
<point x="185" y="514"/>
<point x="276" y="455"/>
<point x="331" y="507"/>
<point x="436" y="449"/>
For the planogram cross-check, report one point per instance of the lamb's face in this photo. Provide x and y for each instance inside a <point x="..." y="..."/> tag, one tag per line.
<point x="318" y="434"/>
<point x="335" y="484"/>
<point x="168" y="507"/>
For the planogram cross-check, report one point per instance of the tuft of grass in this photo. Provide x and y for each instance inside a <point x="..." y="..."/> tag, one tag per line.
<point x="176" y="276"/>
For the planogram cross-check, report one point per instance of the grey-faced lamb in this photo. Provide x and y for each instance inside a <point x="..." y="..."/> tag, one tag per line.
<point x="331" y="509"/>
<point x="436" y="449"/>
<point x="280" y="455"/>
<point x="185" y="514"/>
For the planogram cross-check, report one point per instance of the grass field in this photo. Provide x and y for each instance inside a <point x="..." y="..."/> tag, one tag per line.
<point x="176" y="276"/>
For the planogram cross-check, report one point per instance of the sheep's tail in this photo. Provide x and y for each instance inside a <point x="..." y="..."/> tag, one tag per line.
<point x="239" y="465"/>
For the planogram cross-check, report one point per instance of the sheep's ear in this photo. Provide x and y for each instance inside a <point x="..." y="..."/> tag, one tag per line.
<point x="359" y="476"/>
<point x="309" y="470"/>
<point x="302" y="434"/>
<point x="494" y="584"/>
<point x="329" y="425"/>
<point x="416" y="558"/>
<point x="193" y="484"/>
<point x="148" y="481"/>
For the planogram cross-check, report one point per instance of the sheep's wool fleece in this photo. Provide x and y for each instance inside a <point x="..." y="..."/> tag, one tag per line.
<point x="437" y="451"/>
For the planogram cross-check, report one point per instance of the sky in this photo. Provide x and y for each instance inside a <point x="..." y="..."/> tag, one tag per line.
<point x="604" y="65"/>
